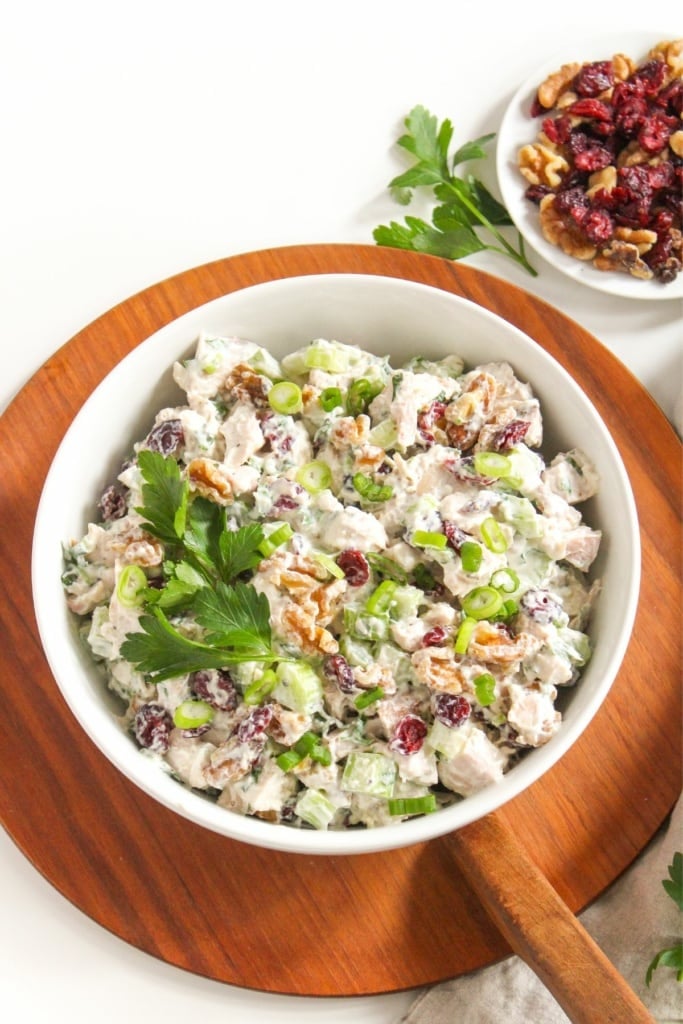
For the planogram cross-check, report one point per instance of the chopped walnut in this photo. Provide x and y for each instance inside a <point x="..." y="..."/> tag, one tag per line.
<point x="676" y="143"/>
<point x="437" y="668"/>
<point x="624" y="257"/>
<point x="671" y="52"/>
<point x="622" y="66"/>
<point x="496" y="646"/>
<point x="469" y="412"/>
<point x="350" y="431"/>
<point x="245" y="385"/>
<point x="542" y="164"/>
<point x="308" y="636"/>
<point x="564" y="235"/>
<point x="605" y="179"/>
<point x="640" y="237"/>
<point x="556" y="84"/>
<point x="143" y="552"/>
<point x="207" y="477"/>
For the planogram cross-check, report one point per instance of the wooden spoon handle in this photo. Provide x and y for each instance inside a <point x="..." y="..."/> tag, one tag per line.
<point x="541" y="928"/>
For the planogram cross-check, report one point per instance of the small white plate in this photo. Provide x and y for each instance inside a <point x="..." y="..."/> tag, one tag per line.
<point x="518" y="129"/>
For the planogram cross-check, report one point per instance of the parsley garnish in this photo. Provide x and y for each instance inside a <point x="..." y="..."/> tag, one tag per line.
<point x="673" y="956"/>
<point x="465" y="205"/>
<point x="204" y="562"/>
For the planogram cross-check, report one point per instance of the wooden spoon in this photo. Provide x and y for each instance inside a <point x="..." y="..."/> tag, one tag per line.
<point x="540" y="927"/>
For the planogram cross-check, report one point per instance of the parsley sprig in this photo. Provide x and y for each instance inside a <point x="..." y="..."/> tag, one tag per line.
<point x="464" y="204"/>
<point x="673" y="956"/>
<point x="204" y="560"/>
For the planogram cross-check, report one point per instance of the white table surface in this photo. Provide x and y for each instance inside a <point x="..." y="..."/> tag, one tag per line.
<point x="143" y="138"/>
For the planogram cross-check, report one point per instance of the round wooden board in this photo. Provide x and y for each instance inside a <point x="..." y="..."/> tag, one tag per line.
<point x="302" y="925"/>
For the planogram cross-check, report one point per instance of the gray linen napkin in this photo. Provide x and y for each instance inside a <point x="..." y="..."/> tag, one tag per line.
<point x="631" y="922"/>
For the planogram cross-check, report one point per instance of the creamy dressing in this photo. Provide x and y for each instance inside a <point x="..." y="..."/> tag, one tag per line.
<point x="411" y="691"/>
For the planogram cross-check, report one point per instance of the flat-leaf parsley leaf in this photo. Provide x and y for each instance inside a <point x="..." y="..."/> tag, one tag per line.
<point x="673" y="956"/>
<point x="465" y="205"/>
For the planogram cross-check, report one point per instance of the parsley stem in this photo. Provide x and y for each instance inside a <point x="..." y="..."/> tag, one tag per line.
<point x="518" y="257"/>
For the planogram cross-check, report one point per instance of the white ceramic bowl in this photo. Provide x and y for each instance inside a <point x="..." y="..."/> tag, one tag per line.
<point x="387" y="316"/>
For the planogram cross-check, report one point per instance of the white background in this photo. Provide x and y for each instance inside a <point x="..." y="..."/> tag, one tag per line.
<point x="142" y="138"/>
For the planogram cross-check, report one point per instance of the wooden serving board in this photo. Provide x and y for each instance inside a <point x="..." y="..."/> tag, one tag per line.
<point x="312" y="925"/>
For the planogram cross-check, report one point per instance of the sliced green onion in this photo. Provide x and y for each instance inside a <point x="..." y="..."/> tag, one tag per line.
<point x="131" y="586"/>
<point x="285" y="397"/>
<point x="493" y="536"/>
<point x="367" y="488"/>
<point x="328" y="563"/>
<point x="509" y="609"/>
<point x="380" y="600"/>
<point x="412" y="805"/>
<point x="192" y="714"/>
<point x="470" y="555"/>
<point x="387" y="567"/>
<point x="331" y="398"/>
<point x="464" y="635"/>
<point x="482" y="602"/>
<point x="260" y="688"/>
<point x="288" y="759"/>
<point x="309" y="745"/>
<point x="429" y="539"/>
<point x="364" y="700"/>
<point x="485" y="689"/>
<point x="505" y="580"/>
<point x="279" y="536"/>
<point x="360" y="394"/>
<point x="492" y="464"/>
<point x="314" y="476"/>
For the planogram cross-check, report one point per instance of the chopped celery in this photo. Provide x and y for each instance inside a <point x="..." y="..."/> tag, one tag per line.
<point x="279" y="535"/>
<point x="298" y="686"/>
<point x="364" y="626"/>
<point x="357" y="652"/>
<point x="369" y="772"/>
<point x="322" y="355"/>
<point x="315" y="808"/>
<point x="447" y="740"/>
<point x="571" y="644"/>
<point x="384" y="435"/>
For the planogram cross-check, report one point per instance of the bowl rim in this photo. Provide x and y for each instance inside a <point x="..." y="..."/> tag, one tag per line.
<point x="144" y="772"/>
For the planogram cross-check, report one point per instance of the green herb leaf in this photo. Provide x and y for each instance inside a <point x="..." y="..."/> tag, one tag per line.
<point x="161" y="652"/>
<point x="674" y="884"/>
<point x="165" y="497"/>
<point x="673" y="955"/>
<point x="239" y="550"/>
<point x="236" y="617"/>
<point x="466" y="205"/>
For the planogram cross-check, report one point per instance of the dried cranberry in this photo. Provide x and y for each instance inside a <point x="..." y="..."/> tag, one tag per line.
<point x="540" y="606"/>
<point x="428" y="418"/>
<point x="537" y="108"/>
<point x="285" y="501"/>
<point x="557" y="129"/>
<point x="594" y="78"/>
<point x="662" y="259"/>
<point x="650" y="76"/>
<point x="571" y="200"/>
<point x="670" y="98"/>
<point x="593" y="158"/>
<point x="434" y="637"/>
<point x="253" y="727"/>
<point x="409" y="735"/>
<point x="534" y="193"/>
<point x="597" y="226"/>
<point x="452" y="709"/>
<point x="337" y="669"/>
<point x="355" y="567"/>
<point x="455" y="534"/>
<point x="629" y="114"/>
<point x="113" y="504"/>
<point x="655" y="132"/>
<point x="216" y="688"/>
<point x="589" y="107"/>
<point x="510" y="435"/>
<point x="167" y="438"/>
<point x="152" y="727"/>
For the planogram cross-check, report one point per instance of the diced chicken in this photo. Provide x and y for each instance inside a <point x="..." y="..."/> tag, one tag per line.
<point x="243" y="436"/>
<point x="477" y="764"/>
<point x="189" y="758"/>
<point x="532" y="715"/>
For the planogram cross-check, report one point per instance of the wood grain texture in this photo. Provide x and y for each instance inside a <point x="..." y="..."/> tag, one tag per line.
<point x="358" y="925"/>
